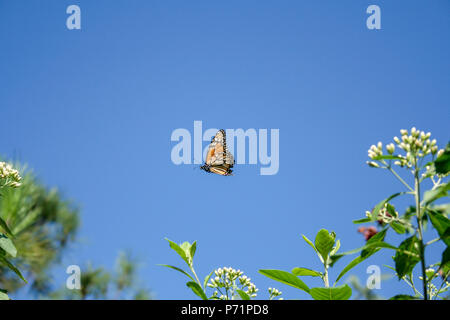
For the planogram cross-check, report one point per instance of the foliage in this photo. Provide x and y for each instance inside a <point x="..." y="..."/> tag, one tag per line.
<point x="420" y="157"/>
<point x="326" y="248"/>
<point x="43" y="224"/>
<point x="227" y="283"/>
<point x="9" y="179"/>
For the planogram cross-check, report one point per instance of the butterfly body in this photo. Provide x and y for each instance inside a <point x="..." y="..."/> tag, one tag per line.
<point x="218" y="159"/>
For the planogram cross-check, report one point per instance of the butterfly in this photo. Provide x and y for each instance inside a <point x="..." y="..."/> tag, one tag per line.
<point x="218" y="159"/>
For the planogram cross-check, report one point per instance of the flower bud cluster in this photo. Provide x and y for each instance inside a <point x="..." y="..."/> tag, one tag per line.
<point x="230" y="279"/>
<point x="414" y="143"/>
<point x="9" y="177"/>
<point x="273" y="293"/>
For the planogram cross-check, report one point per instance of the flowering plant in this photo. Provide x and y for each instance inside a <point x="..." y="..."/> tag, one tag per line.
<point x="418" y="155"/>
<point x="326" y="248"/>
<point x="9" y="178"/>
<point x="227" y="283"/>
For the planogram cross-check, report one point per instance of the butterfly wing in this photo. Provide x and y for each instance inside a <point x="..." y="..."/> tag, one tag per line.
<point x="215" y="155"/>
<point x="222" y="170"/>
<point x="218" y="159"/>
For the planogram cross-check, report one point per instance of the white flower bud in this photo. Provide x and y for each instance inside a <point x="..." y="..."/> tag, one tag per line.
<point x="423" y="136"/>
<point x="390" y="148"/>
<point x="373" y="164"/>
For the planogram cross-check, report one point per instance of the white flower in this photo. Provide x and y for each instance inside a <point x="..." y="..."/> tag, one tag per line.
<point x="380" y="145"/>
<point x="390" y="148"/>
<point x="373" y="164"/>
<point x="10" y="176"/>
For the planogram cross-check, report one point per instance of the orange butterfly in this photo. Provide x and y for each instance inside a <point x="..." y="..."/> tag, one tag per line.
<point x="218" y="159"/>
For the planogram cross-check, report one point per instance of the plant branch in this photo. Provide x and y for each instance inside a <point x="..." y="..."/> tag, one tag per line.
<point x="432" y="241"/>
<point x="419" y="224"/>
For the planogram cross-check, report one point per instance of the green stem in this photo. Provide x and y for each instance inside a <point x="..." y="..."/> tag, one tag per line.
<point x="440" y="288"/>
<point x="325" y="276"/>
<point x="419" y="224"/>
<point x="195" y="275"/>
<point x="432" y="241"/>
<point x="411" y="283"/>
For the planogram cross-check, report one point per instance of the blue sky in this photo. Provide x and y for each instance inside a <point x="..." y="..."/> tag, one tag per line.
<point x="92" y="112"/>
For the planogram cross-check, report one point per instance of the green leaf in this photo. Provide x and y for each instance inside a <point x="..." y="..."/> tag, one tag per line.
<point x="7" y="245"/>
<point x="351" y="265"/>
<point x="364" y="220"/>
<point x="403" y="297"/>
<point x="397" y="227"/>
<point x="186" y="247"/>
<point x="205" y="282"/>
<point x="3" y="295"/>
<point x="372" y="246"/>
<point x="192" y="250"/>
<point x="406" y="259"/>
<point x="5" y="227"/>
<point x="336" y="248"/>
<point x="177" y="269"/>
<point x="334" y="258"/>
<point x="306" y="272"/>
<point x="309" y="242"/>
<point x="441" y="224"/>
<point x="243" y="295"/>
<point x="373" y="243"/>
<point x="343" y="292"/>
<point x="442" y="164"/>
<point x="445" y="262"/>
<point x="365" y="250"/>
<point x="380" y="205"/>
<point x="366" y="253"/>
<point x="312" y="246"/>
<point x="391" y="210"/>
<point x="324" y="243"/>
<point x="286" y="278"/>
<point x="195" y="287"/>
<point x="441" y="208"/>
<point x="181" y="252"/>
<point x="11" y="267"/>
<point x="377" y="241"/>
<point x="432" y="195"/>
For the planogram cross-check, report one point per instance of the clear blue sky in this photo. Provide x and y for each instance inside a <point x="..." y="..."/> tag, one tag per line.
<point x="92" y="111"/>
